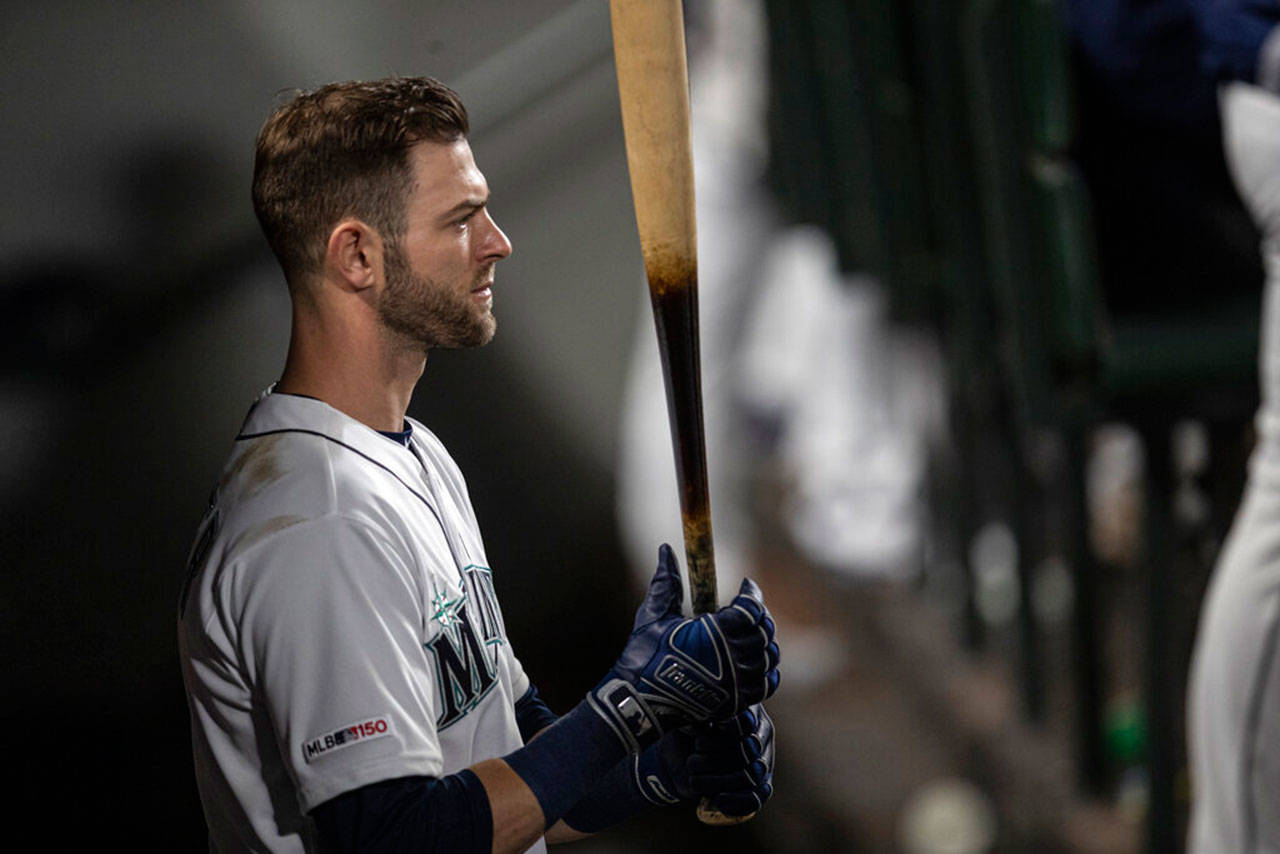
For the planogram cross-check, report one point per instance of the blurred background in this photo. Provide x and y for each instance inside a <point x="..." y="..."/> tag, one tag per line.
<point x="980" y="315"/>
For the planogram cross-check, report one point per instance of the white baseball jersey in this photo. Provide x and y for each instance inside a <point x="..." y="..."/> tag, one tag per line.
<point x="339" y="624"/>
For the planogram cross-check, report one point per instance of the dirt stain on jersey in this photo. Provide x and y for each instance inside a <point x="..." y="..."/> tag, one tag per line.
<point x="255" y="468"/>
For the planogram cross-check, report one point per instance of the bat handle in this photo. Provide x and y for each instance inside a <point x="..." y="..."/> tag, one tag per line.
<point x="702" y="582"/>
<point x="708" y="814"/>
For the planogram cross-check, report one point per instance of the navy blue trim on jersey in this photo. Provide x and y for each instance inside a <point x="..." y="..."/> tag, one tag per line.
<point x="409" y="814"/>
<point x="532" y="714"/>
<point x="434" y="512"/>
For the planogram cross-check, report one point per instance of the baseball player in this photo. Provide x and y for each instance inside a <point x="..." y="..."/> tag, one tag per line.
<point x="350" y="681"/>
<point x="1233" y="702"/>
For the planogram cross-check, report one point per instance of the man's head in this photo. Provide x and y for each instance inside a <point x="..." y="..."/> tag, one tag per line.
<point x="387" y="163"/>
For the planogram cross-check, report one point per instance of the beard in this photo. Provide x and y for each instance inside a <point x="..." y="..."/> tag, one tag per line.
<point x="433" y="314"/>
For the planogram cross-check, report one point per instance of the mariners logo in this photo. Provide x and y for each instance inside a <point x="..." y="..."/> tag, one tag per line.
<point x="466" y="648"/>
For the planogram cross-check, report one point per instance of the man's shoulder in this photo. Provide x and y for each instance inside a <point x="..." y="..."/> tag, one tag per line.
<point x="288" y="497"/>
<point x="281" y="468"/>
<point x="299" y="457"/>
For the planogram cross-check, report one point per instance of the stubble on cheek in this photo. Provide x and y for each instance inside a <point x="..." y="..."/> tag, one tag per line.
<point x="430" y="314"/>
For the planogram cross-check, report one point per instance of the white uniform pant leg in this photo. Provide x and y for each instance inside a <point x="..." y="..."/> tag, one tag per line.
<point x="1234" y="690"/>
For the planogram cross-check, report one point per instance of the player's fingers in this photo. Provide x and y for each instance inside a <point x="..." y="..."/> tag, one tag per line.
<point x="746" y="756"/>
<point x="754" y="669"/>
<point x="753" y="686"/>
<point x="730" y="729"/>
<point x="753" y="655"/>
<point x="714" y="756"/>
<point x="751" y="650"/>
<point x="764" y="728"/>
<point x="748" y="589"/>
<point x="742" y="803"/>
<point x="773" y="656"/>
<point x="746" y="721"/>
<point x="738" y="623"/>
<point x="764" y="737"/>
<point x="665" y="593"/>
<point x="750" y="603"/>
<point x="718" y="756"/>
<point x="746" y="777"/>
<point x="748" y="635"/>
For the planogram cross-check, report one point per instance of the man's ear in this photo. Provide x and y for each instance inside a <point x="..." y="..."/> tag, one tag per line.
<point x="355" y="254"/>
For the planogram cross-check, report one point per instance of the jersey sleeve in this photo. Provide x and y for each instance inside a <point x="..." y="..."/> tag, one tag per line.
<point x="332" y="621"/>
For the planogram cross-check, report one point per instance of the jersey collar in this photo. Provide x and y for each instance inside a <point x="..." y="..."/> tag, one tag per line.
<point x="273" y="412"/>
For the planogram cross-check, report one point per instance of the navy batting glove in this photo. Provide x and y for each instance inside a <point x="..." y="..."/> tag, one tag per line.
<point x="732" y="763"/>
<point x="729" y="762"/>
<point x="676" y="670"/>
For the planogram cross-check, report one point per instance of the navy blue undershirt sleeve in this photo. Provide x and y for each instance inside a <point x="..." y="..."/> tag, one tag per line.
<point x="532" y="714"/>
<point x="562" y="764"/>
<point x="421" y="814"/>
<point x="610" y="800"/>
<point x="615" y="798"/>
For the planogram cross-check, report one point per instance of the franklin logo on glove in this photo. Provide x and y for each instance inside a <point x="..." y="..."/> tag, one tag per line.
<point x="674" y="675"/>
<point x="681" y="670"/>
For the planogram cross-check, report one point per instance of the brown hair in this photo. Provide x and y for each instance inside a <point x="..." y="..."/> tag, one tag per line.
<point x="343" y="150"/>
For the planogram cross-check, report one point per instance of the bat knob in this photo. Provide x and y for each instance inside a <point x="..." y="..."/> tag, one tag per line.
<point x="708" y="814"/>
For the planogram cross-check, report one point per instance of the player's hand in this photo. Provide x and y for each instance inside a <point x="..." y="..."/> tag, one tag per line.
<point x="676" y="671"/>
<point x="732" y="763"/>
<point x="729" y="762"/>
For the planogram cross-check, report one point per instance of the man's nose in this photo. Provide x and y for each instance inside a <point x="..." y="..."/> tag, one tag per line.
<point x="496" y="243"/>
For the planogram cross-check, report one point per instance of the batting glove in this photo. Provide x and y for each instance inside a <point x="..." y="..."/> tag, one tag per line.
<point x="676" y="671"/>
<point x="729" y="762"/>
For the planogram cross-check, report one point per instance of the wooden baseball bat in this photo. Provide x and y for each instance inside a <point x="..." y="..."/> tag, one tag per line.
<point x="653" y="86"/>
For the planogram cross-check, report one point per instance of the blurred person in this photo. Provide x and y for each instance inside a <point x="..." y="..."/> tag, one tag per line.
<point x="1234" y="692"/>
<point x="348" y="674"/>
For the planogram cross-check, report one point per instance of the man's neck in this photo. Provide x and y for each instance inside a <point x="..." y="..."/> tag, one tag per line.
<point x="365" y="376"/>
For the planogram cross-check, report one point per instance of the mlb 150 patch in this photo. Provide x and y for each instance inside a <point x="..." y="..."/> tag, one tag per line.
<point x="356" y="733"/>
